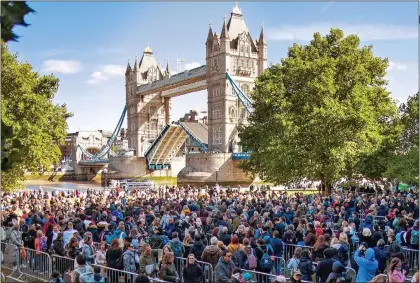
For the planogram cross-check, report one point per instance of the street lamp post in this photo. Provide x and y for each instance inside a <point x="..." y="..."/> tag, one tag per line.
<point x="105" y="172"/>
<point x="217" y="172"/>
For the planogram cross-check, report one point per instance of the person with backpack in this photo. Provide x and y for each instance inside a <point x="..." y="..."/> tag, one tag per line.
<point x="177" y="246"/>
<point x="236" y="249"/>
<point x="413" y="236"/>
<point x="40" y="247"/>
<point x="264" y="261"/>
<point x="250" y="261"/>
<point x="120" y="234"/>
<point x="192" y="271"/>
<point x="83" y="273"/>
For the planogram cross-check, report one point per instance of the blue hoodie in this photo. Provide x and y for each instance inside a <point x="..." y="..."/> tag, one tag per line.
<point x="367" y="265"/>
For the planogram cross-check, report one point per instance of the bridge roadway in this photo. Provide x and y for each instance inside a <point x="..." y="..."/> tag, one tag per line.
<point x="182" y="83"/>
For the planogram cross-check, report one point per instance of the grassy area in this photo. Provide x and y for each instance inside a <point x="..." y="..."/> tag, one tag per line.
<point x="45" y="177"/>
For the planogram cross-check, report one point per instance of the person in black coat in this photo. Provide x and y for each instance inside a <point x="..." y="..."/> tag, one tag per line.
<point x="305" y="266"/>
<point x="198" y="247"/>
<point x="225" y="237"/>
<point x="192" y="273"/>
<point x="324" y="268"/>
<point x="381" y="255"/>
<point x="259" y="252"/>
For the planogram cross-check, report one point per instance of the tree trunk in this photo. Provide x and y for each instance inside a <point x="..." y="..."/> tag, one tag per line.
<point x="326" y="187"/>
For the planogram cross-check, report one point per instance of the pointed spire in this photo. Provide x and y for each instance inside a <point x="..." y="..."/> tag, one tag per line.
<point x="136" y="63"/>
<point x="167" y="67"/>
<point x="210" y="34"/>
<point x="128" y="70"/>
<point x="236" y="9"/>
<point x="262" y="33"/>
<point x="224" y="33"/>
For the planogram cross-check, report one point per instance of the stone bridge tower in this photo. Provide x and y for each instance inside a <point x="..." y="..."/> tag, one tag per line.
<point x="146" y="114"/>
<point x="233" y="51"/>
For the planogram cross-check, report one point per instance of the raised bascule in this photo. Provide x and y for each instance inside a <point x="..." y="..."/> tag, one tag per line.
<point x="233" y="61"/>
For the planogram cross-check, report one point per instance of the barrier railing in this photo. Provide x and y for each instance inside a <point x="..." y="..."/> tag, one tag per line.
<point x="25" y="262"/>
<point x="279" y="266"/>
<point x="207" y="268"/>
<point x="412" y="257"/>
<point x="62" y="264"/>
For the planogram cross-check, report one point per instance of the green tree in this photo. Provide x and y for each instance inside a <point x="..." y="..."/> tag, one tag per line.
<point x="318" y="112"/>
<point x="37" y="125"/>
<point x="13" y="14"/>
<point x="403" y="165"/>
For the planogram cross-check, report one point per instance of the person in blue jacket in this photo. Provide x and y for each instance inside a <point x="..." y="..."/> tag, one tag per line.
<point x="367" y="264"/>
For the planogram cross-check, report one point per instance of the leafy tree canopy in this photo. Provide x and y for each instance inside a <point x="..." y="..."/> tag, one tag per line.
<point x="403" y="165"/>
<point x="37" y="126"/>
<point x="13" y="14"/>
<point x="319" y="111"/>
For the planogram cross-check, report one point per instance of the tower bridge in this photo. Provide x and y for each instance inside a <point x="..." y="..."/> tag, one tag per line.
<point x="233" y="61"/>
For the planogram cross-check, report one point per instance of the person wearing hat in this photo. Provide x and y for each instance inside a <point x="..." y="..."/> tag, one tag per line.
<point x="224" y="268"/>
<point x="296" y="277"/>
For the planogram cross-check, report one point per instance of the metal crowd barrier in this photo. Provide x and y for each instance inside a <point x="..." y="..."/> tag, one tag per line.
<point x="279" y="266"/>
<point x="207" y="268"/>
<point x="62" y="264"/>
<point x="412" y="257"/>
<point x="24" y="262"/>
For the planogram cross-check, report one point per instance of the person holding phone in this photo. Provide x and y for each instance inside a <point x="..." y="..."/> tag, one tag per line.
<point x="365" y="259"/>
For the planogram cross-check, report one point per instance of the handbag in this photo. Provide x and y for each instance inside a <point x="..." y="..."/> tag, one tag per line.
<point x="23" y="253"/>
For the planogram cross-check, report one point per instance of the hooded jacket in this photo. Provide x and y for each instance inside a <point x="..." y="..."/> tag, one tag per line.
<point x="211" y="254"/>
<point x="305" y="267"/>
<point x="367" y="265"/>
<point x="197" y="248"/>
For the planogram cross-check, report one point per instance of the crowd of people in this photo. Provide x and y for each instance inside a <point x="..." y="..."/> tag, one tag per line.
<point x="225" y="234"/>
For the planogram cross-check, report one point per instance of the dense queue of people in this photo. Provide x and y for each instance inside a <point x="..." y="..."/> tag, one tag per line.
<point x="234" y="233"/>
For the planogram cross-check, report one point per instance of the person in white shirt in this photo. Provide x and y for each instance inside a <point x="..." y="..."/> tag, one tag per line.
<point x="68" y="233"/>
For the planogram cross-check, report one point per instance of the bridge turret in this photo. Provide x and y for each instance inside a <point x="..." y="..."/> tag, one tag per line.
<point x="262" y="52"/>
<point x="209" y="41"/>
<point x="224" y="40"/>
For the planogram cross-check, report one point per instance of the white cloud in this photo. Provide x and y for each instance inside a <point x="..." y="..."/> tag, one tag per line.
<point x="366" y="32"/>
<point x="394" y="66"/>
<point x="192" y="65"/>
<point x="114" y="70"/>
<point x="105" y="73"/>
<point x="62" y="66"/>
<point x="97" y="77"/>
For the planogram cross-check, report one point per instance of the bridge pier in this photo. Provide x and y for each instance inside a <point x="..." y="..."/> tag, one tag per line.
<point x="210" y="168"/>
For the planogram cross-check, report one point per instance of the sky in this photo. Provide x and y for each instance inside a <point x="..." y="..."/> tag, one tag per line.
<point x="87" y="45"/>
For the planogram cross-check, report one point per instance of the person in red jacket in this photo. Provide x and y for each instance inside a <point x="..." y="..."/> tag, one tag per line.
<point x="52" y="221"/>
